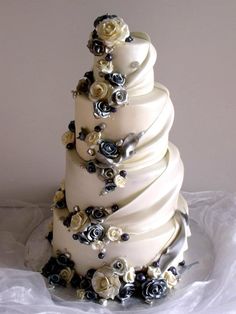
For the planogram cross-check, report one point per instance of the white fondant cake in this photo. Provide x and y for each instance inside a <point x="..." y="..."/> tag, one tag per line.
<point x="119" y="215"/>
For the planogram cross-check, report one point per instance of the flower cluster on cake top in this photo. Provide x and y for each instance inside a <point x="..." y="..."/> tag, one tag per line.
<point x="108" y="91"/>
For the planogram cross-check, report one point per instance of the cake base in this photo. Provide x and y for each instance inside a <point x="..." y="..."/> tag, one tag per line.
<point x="194" y="256"/>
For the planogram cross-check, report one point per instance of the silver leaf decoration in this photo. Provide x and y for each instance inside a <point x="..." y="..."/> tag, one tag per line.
<point x="173" y="250"/>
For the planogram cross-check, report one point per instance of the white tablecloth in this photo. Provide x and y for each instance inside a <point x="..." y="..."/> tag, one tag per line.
<point x="207" y="287"/>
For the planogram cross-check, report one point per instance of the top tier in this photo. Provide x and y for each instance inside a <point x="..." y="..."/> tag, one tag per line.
<point x="120" y="116"/>
<point x="118" y="51"/>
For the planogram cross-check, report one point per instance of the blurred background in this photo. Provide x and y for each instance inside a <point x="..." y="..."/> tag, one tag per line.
<point x="43" y="53"/>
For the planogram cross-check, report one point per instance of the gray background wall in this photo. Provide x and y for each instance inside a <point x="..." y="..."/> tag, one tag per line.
<point x="43" y="54"/>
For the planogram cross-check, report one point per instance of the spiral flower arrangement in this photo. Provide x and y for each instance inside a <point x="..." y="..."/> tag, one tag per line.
<point x="118" y="280"/>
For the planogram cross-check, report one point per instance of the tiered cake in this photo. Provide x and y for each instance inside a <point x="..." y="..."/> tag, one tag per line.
<point x="120" y="226"/>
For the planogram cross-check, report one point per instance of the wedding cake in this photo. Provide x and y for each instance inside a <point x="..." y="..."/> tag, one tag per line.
<point x="120" y="225"/>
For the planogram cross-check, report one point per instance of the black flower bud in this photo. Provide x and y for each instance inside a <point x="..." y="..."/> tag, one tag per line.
<point x="96" y="47"/>
<point x="90" y="167"/>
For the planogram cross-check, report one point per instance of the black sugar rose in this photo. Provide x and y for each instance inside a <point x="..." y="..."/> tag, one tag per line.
<point x="154" y="289"/>
<point x="96" y="47"/>
<point x="102" y="109"/>
<point x="62" y="260"/>
<point x="109" y="186"/>
<point x="119" y="97"/>
<point x="75" y="281"/>
<point x="98" y="214"/>
<point x="71" y="126"/>
<point x="90" y="167"/>
<point x="50" y="267"/>
<point x="126" y="291"/>
<point x="91" y="295"/>
<point x="116" y="79"/>
<point x="55" y="279"/>
<point x="94" y="232"/>
<point x="85" y="283"/>
<point x="82" y="237"/>
<point x="82" y="87"/>
<point x="89" y="76"/>
<point x="107" y="173"/>
<point x="94" y="34"/>
<point x="109" y="149"/>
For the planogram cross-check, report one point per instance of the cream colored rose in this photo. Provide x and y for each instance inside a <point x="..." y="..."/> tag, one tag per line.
<point x="59" y="195"/>
<point x="98" y="245"/>
<point x="104" y="66"/>
<point x="112" y="31"/>
<point x="68" y="137"/>
<point x="120" y="266"/>
<point x="154" y="272"/>
<point x="98" y="90"/>
<point x="120" y="181"/>
<point x="106" y="283"/>
<point x="67" y="274"/>
<point x="93" y="137"/>
<point x="129" y="276"/>
<point x="170" y="278"/>
<point x="114" y="233"/>
<point x="78" y="220"/>
<point x="80" y="293"/>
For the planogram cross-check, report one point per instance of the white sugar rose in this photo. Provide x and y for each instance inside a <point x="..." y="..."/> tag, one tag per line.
<point x="68" y="137"/>
<point x="80" y="293"/>
<point x="59" y="195"/>
<point x="112" y="31"/>
<point x="78" y="220"/>
<point x="129" y="275"/>
<point x="67" y="274"/>
<point x="120" y="266"/>
<point x="154" y="272"/>
<point x="106" y="283"/>
<point x="98" y="245"/>
<point x="114" y="233"/>
<point x="120" y="181"/>
<point x="93" y="137"/>
<point x="98" y="90"/>
<point x="170" y="279"/>
<point x="104" y="66"/>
